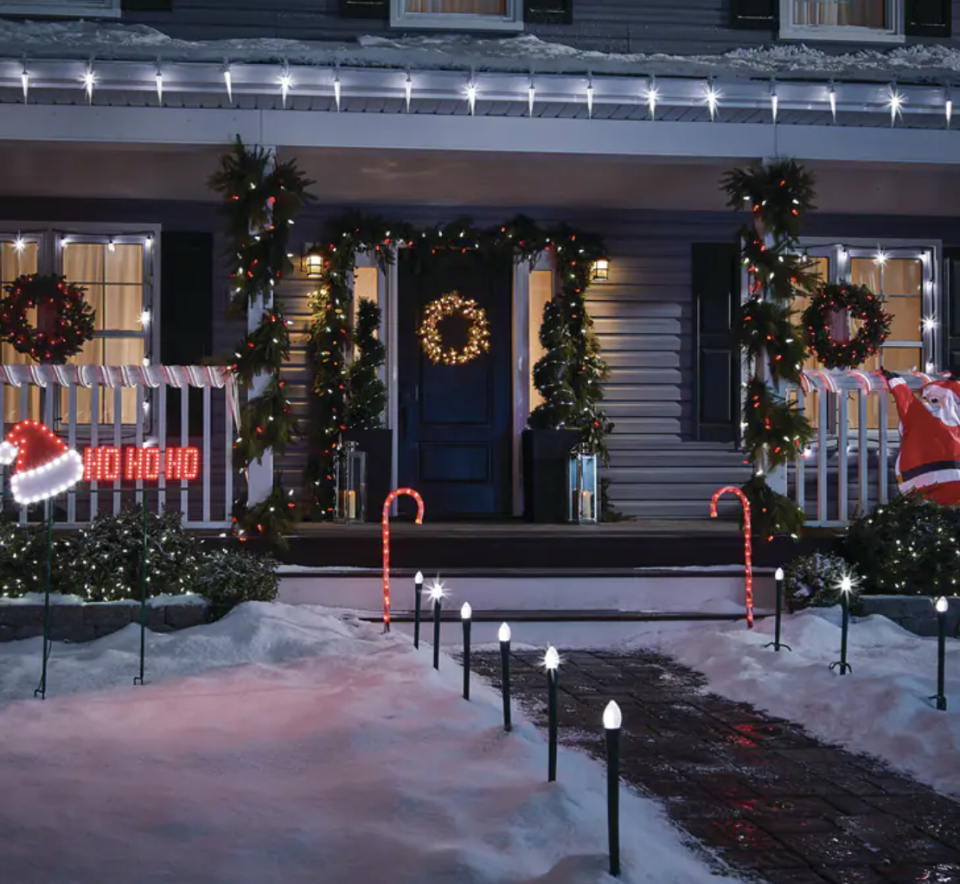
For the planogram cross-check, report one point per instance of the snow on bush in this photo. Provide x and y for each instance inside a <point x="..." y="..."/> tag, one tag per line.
<point x="813" y="581"/>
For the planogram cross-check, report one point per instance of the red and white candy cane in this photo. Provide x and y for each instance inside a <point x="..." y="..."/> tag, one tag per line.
<point x="391" y="497"/>
<point x="747" y="543"/>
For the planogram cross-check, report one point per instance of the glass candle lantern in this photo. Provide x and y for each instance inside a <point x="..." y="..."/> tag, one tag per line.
<point x="582" y="486"/>
<point x="351" y="483"/>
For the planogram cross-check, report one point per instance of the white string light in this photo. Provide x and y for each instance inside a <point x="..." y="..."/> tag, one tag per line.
<point x="590" y="98"/>
<point x="159" y="86"/>
<point x="895" y="101"/>
<point x="472" y="97"/>
<point x="833" y="102"/>
<point x="408" y="89"/>
<point x="712" y="99"/>
<point x="774" y="102"/>
<point x="25" y="82"/>
<point x="930" y="323"/>
<point x="228" y="82"/>
<point x="948" y="107"/>
<point x="653" y="96"/>
<point x="286" y="84"/>
<point x="336" y="91"/>
<point x="89" y="81"/>
<point x="880" y="258"/>
<point x="531" y="97"/>
<point x="18" y="244"/>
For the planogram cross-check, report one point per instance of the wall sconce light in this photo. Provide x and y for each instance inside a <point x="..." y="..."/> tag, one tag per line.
<point x="311" y="262"/>
<point x="601" y="270"/>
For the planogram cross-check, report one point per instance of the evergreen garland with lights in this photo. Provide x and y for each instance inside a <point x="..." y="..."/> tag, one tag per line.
<point x="777" y="195"/>
<point x="261" y="199"/>
<point x="366" y="393"/>
<point x="523" y="241"/>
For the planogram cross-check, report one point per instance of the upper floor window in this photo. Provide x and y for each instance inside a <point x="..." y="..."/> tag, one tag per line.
<point x="461" y="15"/>
<point x="843" y="20"/>
<point x="66" y="8"/>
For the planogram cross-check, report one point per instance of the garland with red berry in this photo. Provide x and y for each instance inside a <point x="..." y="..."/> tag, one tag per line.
<point x="261" y="198"/>
<point x="859" y="303"/>
<point x="65" y="321"/>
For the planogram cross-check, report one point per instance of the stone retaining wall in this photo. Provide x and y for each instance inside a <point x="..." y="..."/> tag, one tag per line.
<point x="915" y="613"/>
<point x="83" y="623"/>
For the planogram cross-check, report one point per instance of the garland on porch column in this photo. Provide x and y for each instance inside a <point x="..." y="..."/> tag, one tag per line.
<point x="774" y="430"/>
<point x="261" y="201"/>
<point x="521" y="240"/>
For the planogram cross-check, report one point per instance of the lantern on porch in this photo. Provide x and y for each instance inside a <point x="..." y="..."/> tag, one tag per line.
<point x="311" y="262"/>
<point x="582" y="485"/>
<point x="601" y="269"/>
<point x="350" y="478"/>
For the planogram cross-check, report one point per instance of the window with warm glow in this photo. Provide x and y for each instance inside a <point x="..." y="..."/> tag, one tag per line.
<point x="114" y="273"/>
<point x="851" y="20"/>
<point x="458" y="14"/>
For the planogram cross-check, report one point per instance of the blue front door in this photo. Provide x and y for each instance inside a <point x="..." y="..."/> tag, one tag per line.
<point x="454" y="433"/>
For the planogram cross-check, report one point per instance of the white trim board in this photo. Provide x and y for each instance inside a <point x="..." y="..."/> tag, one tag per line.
<point x="511" y="135"/>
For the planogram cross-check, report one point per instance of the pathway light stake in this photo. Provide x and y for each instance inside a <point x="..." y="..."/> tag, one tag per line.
<point x="143" y="589"/>
<point x="941" y="697"/>
<point x="465" y="614"/>
<point x="776" y="644"/>
<point x="551" y="661"/>
<point x="846" y="587"/>
<point x="41" y="691"/>
<point x="504" y="635"/>
<point x="436" y="593"/>
<point x="417" y="599"/>
<point x="612" y="719"/>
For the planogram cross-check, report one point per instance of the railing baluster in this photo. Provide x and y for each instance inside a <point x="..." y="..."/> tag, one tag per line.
<point x="822" y="397"/>
<point x="801" y="460"/>
<point x="228" y="456"/>
<point x="118" y="441"/>
<point x="863" y="453"/>
<point x="3" y="434"/>
<point x="72" y="443"/>
<point x="843" y="458"/>
<point x="24" y="414"/>
<point x="184" y="442"/>
<point x="884" y="466"/>
<point x="206" y="453"/>
<point x="162" y="441"/>
<point x="94" y="442"/>
<point x="139" y="485"/>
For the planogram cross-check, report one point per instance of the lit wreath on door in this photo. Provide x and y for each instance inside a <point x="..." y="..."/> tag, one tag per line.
<point x="478" y="335"/>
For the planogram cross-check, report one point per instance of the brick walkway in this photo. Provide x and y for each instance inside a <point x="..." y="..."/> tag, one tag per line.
<point x="774" y="803"/>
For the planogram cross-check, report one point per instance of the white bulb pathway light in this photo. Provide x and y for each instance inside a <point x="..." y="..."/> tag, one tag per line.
<point x="846" y="586"/>
<point x="503" y="634"/>
<point x="551" y="662"/>
<point x="466" y="617"/>
<point x="776" y="644"/>
<point x="942" y="607"/>
<point x="436" y="592"/>
<point x="417" y="603"/>
<point x="612" y="721"/>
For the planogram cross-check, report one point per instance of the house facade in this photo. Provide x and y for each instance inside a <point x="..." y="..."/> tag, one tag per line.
<point x="616" y="119"/>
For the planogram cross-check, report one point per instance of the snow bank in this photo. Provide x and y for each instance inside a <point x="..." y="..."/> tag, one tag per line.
<point x="82" y="40"/>
<point x="882" y="708"/>
<point x="283" y="744"/>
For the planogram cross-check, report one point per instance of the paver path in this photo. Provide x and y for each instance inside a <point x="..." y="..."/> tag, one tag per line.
<point x="772" y="801"/>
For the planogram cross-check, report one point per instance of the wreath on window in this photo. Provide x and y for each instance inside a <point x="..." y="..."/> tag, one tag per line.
<point x="478" y="334"/>
<point x="827" y="323"/>
<point x="64" y="320"/>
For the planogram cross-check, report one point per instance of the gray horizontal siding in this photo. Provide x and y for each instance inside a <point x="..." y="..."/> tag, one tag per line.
<point x="617" y="26"/>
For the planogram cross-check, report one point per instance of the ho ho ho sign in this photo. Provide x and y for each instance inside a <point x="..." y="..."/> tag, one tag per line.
<point x="108" y="463"/>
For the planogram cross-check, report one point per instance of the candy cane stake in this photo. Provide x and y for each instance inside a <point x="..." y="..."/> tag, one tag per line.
<point x="747" y="543"/>
<point x="391" y="497"/>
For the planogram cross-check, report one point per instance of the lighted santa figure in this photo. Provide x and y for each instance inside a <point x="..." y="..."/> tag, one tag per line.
<point x="929" y="460"/>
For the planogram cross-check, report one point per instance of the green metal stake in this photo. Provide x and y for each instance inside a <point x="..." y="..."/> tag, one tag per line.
<point x="143" y="589"/>
<point x="417" y="601"/>
<point x="612" y="720"/>
<point x="551" y="661"/>
<point x="41" y="691"/>
<point x="436" y="632"/>
<point x="504" y="636"/>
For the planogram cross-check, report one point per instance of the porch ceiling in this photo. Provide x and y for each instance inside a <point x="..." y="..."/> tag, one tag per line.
<point x="452" y="178"/>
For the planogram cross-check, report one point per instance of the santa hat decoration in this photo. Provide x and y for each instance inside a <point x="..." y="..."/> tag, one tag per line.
<point x="45" y="467"/>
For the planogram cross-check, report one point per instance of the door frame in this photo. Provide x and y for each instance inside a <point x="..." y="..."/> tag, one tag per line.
<point x="388" y="292"/>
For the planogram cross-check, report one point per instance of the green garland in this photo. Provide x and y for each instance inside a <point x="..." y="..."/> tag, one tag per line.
<point x="777" y="195"/>
<point x="260" y="202"/>
<point x="522" y="240"/>
<point x="862" y="304"/>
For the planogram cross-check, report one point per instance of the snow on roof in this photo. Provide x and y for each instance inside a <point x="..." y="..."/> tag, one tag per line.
<point x="80" y="39"/>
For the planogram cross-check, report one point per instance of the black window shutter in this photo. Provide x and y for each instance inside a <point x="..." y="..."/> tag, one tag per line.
<point x="951" y="282"/>
<point x="928" y="18"/>
<point x="548" y="12"/>
<point x="716" y="359"/>
<point x="761" y="15"/>
<point x="146" y="5"/>
<point x="365" y="8"/>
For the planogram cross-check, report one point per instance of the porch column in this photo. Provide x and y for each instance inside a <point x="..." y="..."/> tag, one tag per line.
<point x="260" y="472"/>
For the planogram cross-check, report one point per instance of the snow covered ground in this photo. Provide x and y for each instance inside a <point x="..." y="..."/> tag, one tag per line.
<point x="282" y="744"/>
<point x="82" y="40"/>
<point x="882" y="708"/>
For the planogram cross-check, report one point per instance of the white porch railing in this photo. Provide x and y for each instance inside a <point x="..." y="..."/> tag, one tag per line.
<point x="849" y="466"/>
<point x="87" y="408"/>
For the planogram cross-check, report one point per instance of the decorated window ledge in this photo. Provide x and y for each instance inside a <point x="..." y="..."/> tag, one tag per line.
<point x="471" y="15"/>
<point x="878" y="21"/>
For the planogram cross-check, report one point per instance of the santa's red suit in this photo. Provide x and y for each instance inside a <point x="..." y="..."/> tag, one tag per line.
<point x="929" y="460"/>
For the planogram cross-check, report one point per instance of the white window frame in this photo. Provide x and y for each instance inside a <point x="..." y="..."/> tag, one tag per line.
<point x="64" y="8"/>
<point x="457" y="21"/>
<point x="844" y="33"/>
<point x="840" y="254"/>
